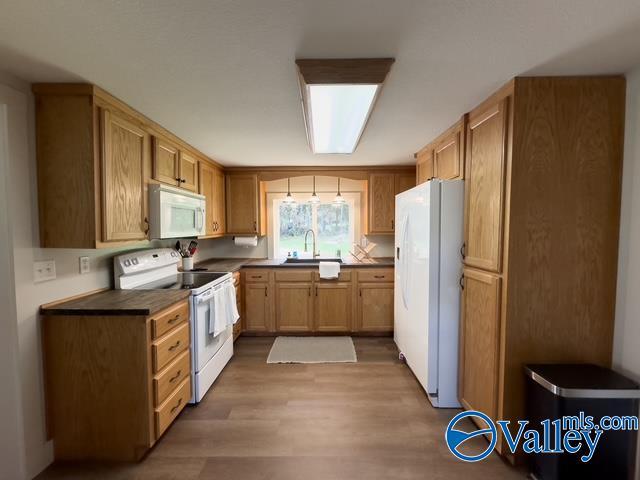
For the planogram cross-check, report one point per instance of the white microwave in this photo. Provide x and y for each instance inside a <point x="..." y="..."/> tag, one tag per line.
<point x="175" y="213"/>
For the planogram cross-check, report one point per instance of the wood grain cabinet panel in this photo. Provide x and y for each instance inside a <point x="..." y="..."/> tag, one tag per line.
<point x="480" y="341"/>
<point x="166" y="157"/>
<point x="242" y="204"/>
<point x="382" y="190"/>
<point x="166" y="413"/>
<point x="424" y="166"/>
<point x="257" y="307"/>
<point x="333" y="310"/>
<point x="211" y="181"/>
<point x="173" y="375"/>
<point x="375" y="307"/>
<point x="448" y="159"/>
<point x="123" y="159"/>
<point x="188" y="172"/>
<point x="294" y="307"/>
<point x="219" y="213"/>
<point x="402" y="183"/>
<point x="484" y="186"/>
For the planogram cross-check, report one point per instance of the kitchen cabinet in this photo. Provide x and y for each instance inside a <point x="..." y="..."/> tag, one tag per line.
<point x="124" y="151"/>
<point x="114" y="383"/>
<point x="333" y="310"/>
<point x="294" y="307"/>
<point x="443" y="158"/>
<point x="212" y="187"/>
<point x="532" y="212"/>
<point x="479" y="345"/>
<point x="257" y="306"/>
<point x="95" y="158"/>
<point x="383" y="187"/>
<point x="174" y="166"/>
<point x="375" y="307"/>
<point x="245" y="205"/>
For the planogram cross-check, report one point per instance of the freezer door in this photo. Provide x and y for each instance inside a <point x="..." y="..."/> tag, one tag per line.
<point x="416" y="281"/>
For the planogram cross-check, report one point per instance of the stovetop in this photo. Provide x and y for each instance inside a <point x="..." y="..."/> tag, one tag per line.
<point x="183" y="281"/>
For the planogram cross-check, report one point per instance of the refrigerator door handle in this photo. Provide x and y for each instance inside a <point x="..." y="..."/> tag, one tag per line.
<point x="403" y="272"/>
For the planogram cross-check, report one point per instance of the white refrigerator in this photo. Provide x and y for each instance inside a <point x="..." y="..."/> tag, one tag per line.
<point x="428" y="267"/>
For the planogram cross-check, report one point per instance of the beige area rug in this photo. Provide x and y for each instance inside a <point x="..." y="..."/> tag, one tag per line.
<point x="312" y="350"/>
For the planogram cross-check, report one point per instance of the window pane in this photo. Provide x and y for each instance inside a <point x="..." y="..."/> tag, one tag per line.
<point x="294" y="221"/>
<point x="334" y="229"/>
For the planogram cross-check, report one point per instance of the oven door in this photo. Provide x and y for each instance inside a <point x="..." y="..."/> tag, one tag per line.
<point x="205" y="345"/>
<point x="175" y="214"/>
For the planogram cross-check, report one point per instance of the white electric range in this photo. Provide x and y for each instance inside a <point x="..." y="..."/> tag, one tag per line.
<point x="157" y="269"/>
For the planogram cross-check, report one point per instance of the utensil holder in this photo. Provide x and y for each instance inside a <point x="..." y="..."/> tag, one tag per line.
<point x="187" y="263"/>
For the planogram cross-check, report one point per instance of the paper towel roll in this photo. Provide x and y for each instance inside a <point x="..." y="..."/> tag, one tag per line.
<point x="246" y="241"/>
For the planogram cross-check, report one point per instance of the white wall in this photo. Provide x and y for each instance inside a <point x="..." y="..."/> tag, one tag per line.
<point x="626" y="352"/>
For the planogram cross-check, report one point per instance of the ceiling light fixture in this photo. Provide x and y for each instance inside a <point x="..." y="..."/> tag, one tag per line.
<point x="337" y="99"/>
<point x="289" y="198"/>
<point x="314" y="197"/>
<point x="339" y="200"/>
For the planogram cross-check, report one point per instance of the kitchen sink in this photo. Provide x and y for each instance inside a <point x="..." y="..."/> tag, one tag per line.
<point x="311" y="261"/>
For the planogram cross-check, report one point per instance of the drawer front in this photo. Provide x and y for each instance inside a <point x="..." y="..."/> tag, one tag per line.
<point x="169" y="318"/>
<point x="170" y="346"/>
<point x="256" y="275"/>
<point x="166" y="381"/>
<point x="167" y="412"/>
<point x="343" y="276"/>
<point x="294" y="275"/>
<point x="375" y="275"/>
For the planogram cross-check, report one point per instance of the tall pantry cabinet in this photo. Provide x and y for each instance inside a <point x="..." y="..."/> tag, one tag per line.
<point x="542" y="203"/>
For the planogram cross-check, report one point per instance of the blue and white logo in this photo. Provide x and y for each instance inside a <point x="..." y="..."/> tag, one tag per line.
<point x="456" y="437"/>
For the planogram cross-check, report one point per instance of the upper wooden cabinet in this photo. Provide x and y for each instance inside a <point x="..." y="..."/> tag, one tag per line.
<point x="245" y="205"/>
<point x="124" y="151"/>
<point x="95" y="160"/>
<point x="212" y="187"/>
<point x="383" y="187"/>
<point x="443" y="158"/>
<point x="174" y="166"/>
<point x="484" y="186"/>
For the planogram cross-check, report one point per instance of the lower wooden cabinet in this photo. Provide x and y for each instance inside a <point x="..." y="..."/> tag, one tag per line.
<point x="257" y="307"/>
<point x="114" y="383"/>
<point x="480" y="335"/>
<point x="294" y="307"/>
<point x="333" y="307"/>
<point x="375" y="307"/>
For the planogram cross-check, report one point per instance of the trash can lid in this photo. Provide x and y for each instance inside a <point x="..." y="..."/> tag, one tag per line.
<point x="582" y="380"/>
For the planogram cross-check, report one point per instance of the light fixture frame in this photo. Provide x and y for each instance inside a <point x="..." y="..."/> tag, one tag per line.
<point x="314" y="196"/>
<point x="339" y="199"/>
<point x="343" y="71"/>
<point x="289" y="200"/>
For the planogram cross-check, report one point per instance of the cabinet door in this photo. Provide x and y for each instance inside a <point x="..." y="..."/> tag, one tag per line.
<point x="188" y="172"/>
<point x="447" y="158"/>
<point x="375" y="307"/>
<point x="124" y="153"/>
<point x="207" y="188"/>
<point x="403" y="182"/>
<point x="257" y="315"/>
<point x="219" y="202"/>
<point x="484" y="186"/>
<point x="424" y="167"/>
<point x="165" y="162"/>
<point x="294" y="307"/>
<point x="382" y="190"/>
<point x="242" y="204"/>
<point x="333" y="307"/>
<point x="480" y="335"/>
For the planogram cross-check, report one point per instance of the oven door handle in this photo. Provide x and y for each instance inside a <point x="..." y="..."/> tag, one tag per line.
<point x="204" y="298"/>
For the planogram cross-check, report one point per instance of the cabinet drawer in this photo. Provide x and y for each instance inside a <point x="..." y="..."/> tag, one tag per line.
<point x="257" y="275"/>
<point x="167" y="380"/>
<point x="293" y="275"/>
<point x="169" y="318"/>
<point x="342" y="277"/>
<point x="169" y="346"/>
<point x="167" y="412"/>
<point x="375" y="275"/>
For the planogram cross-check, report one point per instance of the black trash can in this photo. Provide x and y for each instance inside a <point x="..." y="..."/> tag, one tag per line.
<point x="557" y="391"/>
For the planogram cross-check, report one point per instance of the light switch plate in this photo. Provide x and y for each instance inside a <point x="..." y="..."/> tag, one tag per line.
<point x="44" y="271"/>
<point x="85" y="267"/>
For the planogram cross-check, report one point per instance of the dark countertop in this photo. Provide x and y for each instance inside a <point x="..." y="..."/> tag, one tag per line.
<point x="118" y="302"/>
<point x="235" y="264"/>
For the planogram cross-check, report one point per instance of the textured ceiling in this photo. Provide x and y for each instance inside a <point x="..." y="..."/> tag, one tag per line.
<point x="221" y="74"/>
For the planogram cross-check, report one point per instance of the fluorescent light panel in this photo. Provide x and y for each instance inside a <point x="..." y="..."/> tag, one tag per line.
<point x="339" y="113"/>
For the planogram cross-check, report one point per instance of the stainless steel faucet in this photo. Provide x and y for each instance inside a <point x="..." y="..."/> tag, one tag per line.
<point x="315" y="254"/>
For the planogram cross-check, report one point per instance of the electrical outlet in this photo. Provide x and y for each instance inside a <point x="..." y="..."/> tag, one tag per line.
<point x="43" y="271"/>
<point x="85" y="267"/>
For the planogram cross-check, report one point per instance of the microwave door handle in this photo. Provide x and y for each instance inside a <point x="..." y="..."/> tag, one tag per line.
<point x="201" y="219"/>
